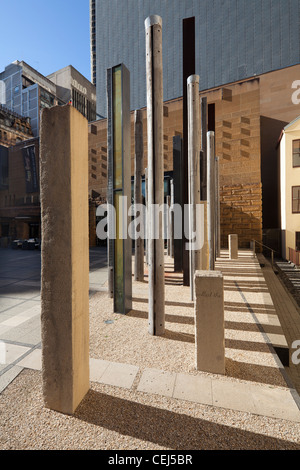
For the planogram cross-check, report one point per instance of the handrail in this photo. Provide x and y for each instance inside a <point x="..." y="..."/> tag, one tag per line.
<point x="271" y="249"/>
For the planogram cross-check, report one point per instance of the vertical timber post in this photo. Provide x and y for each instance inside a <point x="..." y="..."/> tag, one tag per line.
<point x="119" y="185"/>
<point x="154" y="77"/>
<point x="138" y="168"/>
<point x="65" y="257"/>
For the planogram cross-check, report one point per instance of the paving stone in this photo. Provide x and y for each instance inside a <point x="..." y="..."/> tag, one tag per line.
<point x="274" y="402"/>
<point x="232" y="395"/>
<point x="158" y="382"/>
<point x="193" y="388"/>
<point x="119" y="375"/>
<point x="32" y="360"/>
<point x="97" y="369"/>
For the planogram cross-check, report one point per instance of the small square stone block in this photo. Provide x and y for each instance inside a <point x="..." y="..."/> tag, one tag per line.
<point x="209" y="322"/>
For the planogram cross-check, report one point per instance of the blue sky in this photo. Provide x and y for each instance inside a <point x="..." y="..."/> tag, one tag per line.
<point x="48" y="35"/>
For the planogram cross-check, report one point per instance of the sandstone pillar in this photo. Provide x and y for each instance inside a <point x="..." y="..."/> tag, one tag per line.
<point x="65" y="257"/>
<point x="209" y="322"/>
<point x="233" y="246"/>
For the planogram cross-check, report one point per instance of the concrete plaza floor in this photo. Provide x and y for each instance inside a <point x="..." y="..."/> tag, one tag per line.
<point x="20" y="306"/>
<point x="261" y="319"/>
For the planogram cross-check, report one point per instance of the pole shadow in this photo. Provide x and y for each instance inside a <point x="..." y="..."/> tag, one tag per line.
<point x="177" y="431"/>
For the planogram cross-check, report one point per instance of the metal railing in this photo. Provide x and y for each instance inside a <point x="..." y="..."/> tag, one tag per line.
<point x="265" y="246"/>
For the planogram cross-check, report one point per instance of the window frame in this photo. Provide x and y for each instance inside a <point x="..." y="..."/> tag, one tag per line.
<point x="298" y="153"/>
<point x="294" y="199"/>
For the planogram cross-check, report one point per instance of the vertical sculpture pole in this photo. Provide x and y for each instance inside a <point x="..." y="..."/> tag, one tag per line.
<point x="65" y="257"/>
<point x="154" y="72"/>
<point x="211" y="197"/>
<point x="119" y="185"/>
<point x="188" y="68"/>
<point x="217" y="190"/>
<point x="138" y="168"/>
<point x="194" y="172"/>
<point x="178" y="201"/>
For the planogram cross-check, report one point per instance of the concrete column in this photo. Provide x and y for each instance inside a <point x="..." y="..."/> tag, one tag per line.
<point x="154" y="74"/>
<point x="65" y="257"/>
<point x="211" y="197"/>
<point x="194" y="170"/>
<point x="233" y="246"/>
<point x="217" y="227"/>
<point x="209" y="322"/>
<point x="138" y="169"/>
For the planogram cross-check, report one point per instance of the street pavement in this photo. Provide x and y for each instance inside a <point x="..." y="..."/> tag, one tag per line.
<point x="20" y="305"/>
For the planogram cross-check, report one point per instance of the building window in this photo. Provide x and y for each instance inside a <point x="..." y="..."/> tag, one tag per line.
<point x="298" y="241"/>
<point x="296" y="199"/>
<point x="296" y="153"/>
<point x="46" y="99"/>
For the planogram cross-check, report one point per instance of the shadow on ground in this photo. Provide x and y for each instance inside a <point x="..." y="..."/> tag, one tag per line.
<point x="168" y="429"/>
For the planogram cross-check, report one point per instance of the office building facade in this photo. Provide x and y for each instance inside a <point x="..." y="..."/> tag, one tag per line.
<point x="72" y="87"/>
<point x="247" y="57"/>
<point x="25" y="91"/>
<point x="234" y="40"/>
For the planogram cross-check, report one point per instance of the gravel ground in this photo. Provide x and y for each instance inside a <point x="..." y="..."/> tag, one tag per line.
<point x="112" y="418"/>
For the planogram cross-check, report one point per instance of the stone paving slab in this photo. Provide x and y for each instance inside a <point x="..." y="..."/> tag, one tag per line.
<point x="157" y="381"/>
<point x="32" y="361"/>
<point x="193" y="388"/>
<point x="119" y="375"/>
<point x="221" y="392"/>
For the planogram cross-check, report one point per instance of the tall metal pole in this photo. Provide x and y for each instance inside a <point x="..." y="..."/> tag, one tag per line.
<point x="211" y="197"/>
<point x="194" y="172"/>
<point x="138" y="168"/>
<point x="154" y="73"/>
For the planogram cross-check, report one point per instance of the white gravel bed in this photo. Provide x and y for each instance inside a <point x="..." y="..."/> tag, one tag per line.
<point x="121" y="419"/>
